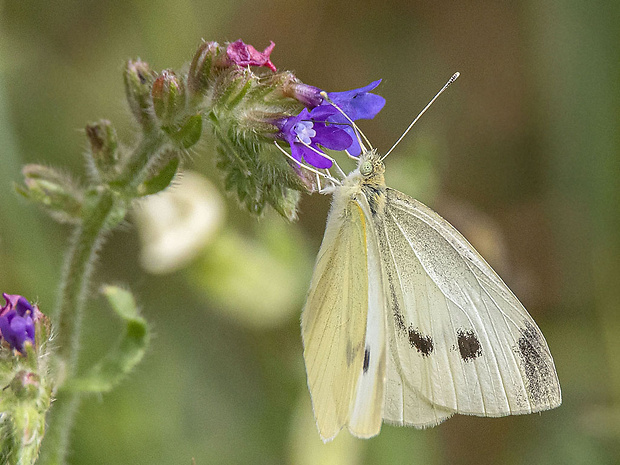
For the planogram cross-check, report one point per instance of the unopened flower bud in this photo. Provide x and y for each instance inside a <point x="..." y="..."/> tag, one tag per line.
<point x="168" y="97"/>
<point x="103" y="147"/>
<point x="25" y="384"/>
<point x="56" y="193"/>
<point x="306" y="94"/>
<point x="138" y="80"/>
<point x="202" y="67"/>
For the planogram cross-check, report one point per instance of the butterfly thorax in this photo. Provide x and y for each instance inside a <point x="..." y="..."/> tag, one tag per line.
<point x="372" y="180"/>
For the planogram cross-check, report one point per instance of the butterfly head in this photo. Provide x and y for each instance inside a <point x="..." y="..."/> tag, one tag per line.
<point x="370" y="166"/>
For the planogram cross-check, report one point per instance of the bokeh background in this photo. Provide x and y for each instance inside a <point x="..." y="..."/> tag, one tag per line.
<point x="521" y="154"/>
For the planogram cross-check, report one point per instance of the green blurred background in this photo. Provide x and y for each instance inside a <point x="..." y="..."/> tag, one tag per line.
<point x="521" y="154"/>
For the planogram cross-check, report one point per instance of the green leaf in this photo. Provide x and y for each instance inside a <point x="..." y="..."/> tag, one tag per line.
<point x="121" y="359"/>
<point x="188" y="134"/>
<point x="161" y="180"/>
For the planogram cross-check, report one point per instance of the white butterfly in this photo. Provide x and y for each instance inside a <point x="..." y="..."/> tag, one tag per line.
<point x="406" y="323"/>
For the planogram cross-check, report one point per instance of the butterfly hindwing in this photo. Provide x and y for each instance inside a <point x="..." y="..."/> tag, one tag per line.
<point x="459" y="338"/>
<point x="367" y="413"/>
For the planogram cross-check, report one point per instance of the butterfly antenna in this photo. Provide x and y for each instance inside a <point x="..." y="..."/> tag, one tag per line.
<point x="356" y="129"/>
<point x="318" y="173"/>
<point x="447" y="84"/>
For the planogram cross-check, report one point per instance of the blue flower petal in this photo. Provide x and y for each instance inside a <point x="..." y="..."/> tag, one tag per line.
<point x="354" y="149"/>
<point x="314" y="159"/>
<point x="18" y="326"/>
<point x="331" y="137"/>
<point x="348" y="94"/>
<point x="30" y="328"/>
<point x="358" y="103"/>
<point x="5" y="327"/>
<point x="297" y="151"/>
<point x="23" y="306"/>
<point x="322" y="112"/>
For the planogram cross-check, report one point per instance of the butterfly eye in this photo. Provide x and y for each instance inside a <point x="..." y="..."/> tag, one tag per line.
<point x="366" y="168"/>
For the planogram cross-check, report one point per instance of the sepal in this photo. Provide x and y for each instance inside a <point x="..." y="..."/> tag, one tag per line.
<point x="187" y="134"/>
<point x="161" y="179"/>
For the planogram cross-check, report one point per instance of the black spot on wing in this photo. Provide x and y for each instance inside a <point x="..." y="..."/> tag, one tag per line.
<point x="366" y="359"/>
<point x="420" y="342"/>
<point x="469" y="345"/>
<point x="540" y="376"/>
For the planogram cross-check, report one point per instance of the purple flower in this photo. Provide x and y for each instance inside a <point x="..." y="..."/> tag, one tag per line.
<point x="17" y="321"/>
<point x="304" y="135"/>
<point x="245" y="55"/>
<point x="324" y="125"/>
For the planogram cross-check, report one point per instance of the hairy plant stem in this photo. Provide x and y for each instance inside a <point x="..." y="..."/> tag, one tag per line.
<point x="74" y="288"/>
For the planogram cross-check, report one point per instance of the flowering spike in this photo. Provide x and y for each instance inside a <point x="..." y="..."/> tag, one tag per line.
<point x="138" y="81"/>
<point x="245" y="55"/>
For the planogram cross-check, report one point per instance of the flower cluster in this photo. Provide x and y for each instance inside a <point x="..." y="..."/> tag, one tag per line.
<point x="17" y="320"/>
<point x="324" y="125"/>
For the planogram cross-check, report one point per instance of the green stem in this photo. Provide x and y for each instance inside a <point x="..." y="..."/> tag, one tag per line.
<point x="60" y="424"/>
<point x="136" y="169"/>
<point x="68" y="313"/>
<point x="74" y="288"/>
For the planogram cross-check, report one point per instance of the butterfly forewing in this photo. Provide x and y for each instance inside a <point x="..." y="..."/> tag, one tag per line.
<point x="459" y="338"/>
<point x="334" y="322"/>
